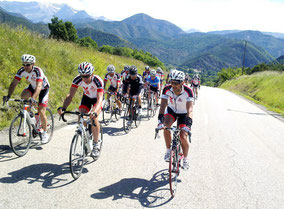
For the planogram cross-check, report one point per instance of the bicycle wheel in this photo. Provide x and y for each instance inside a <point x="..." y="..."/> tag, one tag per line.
<point x="137" y="116"/>
<point x="107" y="113"/>
<point x="77" y="156"/>
<point x="149" y="109"/>
<point x="154" y="102"/>
<point x="20" y="137"/>
<point x="173" y="172"/>
<point x="127" y="120"/>
<point x="50" y="123"/>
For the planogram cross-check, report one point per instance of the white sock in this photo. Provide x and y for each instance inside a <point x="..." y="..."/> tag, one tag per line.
<point x="185" y="159"/>
<point x="168" y="150"/>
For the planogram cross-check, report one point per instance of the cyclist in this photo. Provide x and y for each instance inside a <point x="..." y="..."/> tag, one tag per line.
<point x="124" y="72"/>
<point x="93" y="96"/>
<point x="186" y="79"/>
<point x="154" y="82"/>
<point x="176" y="104"/>
<point x="146" y="73"/>
<point x="38" y="88"/>
<point x="195" y="83"/>
<point x="135" y="82"/>
<point x="114" y="79"/>
<point x="160" y="74"/>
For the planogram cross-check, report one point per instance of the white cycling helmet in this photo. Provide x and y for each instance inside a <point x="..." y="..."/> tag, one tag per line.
<point x="177" y="75"/>
<point x="85" y="68"/>
<point x="28" y="58"/>
<point x="147" y="67"/>
<point x="153" y="73"/>
<point x="159" y="70"/>
<point x="110" y="68"/>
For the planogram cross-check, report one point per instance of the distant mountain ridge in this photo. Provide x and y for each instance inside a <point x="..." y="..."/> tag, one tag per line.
<point x="173" y="46"/>
<point x="43" y="12"/>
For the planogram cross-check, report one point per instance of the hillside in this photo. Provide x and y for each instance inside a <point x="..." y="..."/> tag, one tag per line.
<point x="59" y="60"/>
<point x="15" y="21"/>
<point x="103" y="38"/>
<point x="275" y="46"/>
<point x="265" y="88"/>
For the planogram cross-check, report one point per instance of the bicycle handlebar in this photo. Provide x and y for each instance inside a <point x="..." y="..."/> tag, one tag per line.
<point x="173" y="129"/>
<point x="75" y="113"/>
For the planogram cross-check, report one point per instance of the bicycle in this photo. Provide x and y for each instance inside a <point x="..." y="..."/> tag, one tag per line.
<point x="27" y="125"/>
<point x="131" y="114"/>
<point x="81" y="143"/>
<point x="176" y="156"/>
<point x="151" y="105"/>
<point x="110" y="109"/>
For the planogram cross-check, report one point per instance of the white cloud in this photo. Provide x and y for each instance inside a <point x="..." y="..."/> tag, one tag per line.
<point x="205" y="15"/>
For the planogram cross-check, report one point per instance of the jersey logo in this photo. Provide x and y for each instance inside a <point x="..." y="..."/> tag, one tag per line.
<point x="179" y="100"/>
<point x="27" y="77"/>
<point x="86" y="90"/>
<point x="171" y="100"/>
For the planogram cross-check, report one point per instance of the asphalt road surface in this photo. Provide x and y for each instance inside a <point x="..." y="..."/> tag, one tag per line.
<point x="236" y="161"/>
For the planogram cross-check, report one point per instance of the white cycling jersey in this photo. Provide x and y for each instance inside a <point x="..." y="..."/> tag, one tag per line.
<point x="34" y="76"/>
<point x="90" y="90"/>
<point x="113" y="80"/>
<point x="178" y="102"/>
<point x="195" y="81"/>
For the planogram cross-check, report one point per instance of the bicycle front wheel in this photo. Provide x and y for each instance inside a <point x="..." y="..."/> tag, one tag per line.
<point x="20" y="135"/>
<point x="127" y="120"/>
<point x="107" y="113"/>
<point x="77" y="156"/>
<point x="50" y="123"/>
<point x="173" y="172"/>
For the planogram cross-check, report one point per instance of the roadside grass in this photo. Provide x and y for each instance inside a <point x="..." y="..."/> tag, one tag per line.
<point x="265" y="88"/>
<point x="59" y="61"/>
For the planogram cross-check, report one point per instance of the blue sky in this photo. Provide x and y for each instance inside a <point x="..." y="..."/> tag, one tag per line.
<point x="204" y="15"/>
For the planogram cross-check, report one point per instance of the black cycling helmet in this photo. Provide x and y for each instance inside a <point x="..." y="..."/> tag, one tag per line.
<point x="126" y="67"/>
<point x="133" y="70"/>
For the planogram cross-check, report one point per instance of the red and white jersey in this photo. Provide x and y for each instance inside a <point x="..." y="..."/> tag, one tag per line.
<point x="90" y="90"/>
<point x="34" y="76"/>
<point x="161" y="76"/>
<point x="178" y="102"/>
<point x="113" y="80"/>
<point x="195" y="81"/>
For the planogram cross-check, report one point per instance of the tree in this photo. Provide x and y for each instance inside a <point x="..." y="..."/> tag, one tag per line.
<point x="107" y="49"/>
<point x="88" y="42"/>
<point x="58" y="29"/>
<point x="72" y="32"/>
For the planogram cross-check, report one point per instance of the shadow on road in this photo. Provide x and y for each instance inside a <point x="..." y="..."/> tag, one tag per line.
<point x="256" y="113"/>
<point x="45" y="173"/>
<point x="152" y="193"/>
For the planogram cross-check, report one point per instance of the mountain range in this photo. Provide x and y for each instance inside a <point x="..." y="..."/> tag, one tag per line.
<point x="206" y="51"/>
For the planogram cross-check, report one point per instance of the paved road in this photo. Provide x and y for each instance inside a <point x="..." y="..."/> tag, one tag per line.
<point x="236" y="158"/>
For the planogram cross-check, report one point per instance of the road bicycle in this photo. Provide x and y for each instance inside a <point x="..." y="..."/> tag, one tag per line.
<point x="131" y="115"/>
<point x="81" y="145"/>
<point x="110" y="109"/>
<point x="151" y="105"/>
<point x="176" y="157"/>
<point x="27" y="125"/>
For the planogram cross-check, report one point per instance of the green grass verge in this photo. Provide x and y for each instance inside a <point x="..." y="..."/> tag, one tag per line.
<point x="265" y="88"/>
<point x="59" y="61"/>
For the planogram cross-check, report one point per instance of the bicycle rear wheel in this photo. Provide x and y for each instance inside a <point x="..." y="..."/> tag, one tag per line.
<point x="20" y="137"/>
<point x="49" y="124"/>
<point x="173" y="172"/>
<point x="137" y="117"/>
<point x="77" y="156"/>
<point x="127" y="120"/>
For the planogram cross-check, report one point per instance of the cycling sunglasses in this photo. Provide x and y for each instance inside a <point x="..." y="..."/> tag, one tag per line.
<point x="27" y="65"/>
<point x="85" y="76"/>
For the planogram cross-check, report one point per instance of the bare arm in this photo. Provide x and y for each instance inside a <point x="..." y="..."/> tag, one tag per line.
<point x="189" y="109"/>
<point x="37" y="89"/>
<point x="12" y="87"/>
<point x="69" y="97"/>
<point x="98" y="105"/>
<point x="164" y="104"/>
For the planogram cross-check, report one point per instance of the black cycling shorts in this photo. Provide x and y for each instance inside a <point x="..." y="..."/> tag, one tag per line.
<point x="87" y="102"/>
<point x="43" y="95"/>
<point x="181" y="118"/>
<point x="154" y="89"/>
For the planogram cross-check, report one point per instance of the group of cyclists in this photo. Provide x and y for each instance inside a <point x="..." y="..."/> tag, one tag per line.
<point x="176" y="97"/>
